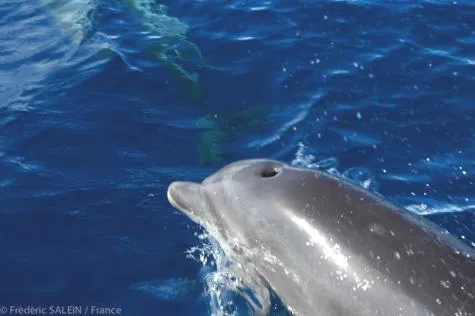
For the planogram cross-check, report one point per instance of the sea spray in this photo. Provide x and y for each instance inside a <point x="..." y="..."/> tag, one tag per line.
<point x="231" y="285"/>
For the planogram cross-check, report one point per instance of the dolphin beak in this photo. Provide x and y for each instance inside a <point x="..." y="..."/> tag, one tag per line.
<point x="185" y="196"/>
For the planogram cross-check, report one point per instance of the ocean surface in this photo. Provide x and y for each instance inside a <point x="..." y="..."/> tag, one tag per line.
<point x="103" y="103"/>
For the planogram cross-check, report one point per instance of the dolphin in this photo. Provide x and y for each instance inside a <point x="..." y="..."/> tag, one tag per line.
<point x="219" y="131"/>
<point x="327" y="246"/>
<point x="169" y="44"/>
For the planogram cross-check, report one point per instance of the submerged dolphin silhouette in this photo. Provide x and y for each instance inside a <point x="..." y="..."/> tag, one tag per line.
<point x="170" y="46"/>
<point x="335" y="248"/>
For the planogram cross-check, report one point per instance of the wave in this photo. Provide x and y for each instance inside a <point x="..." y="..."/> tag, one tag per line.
<point x="364" y="178"/>
<point x="38" y="39"/>
<point x="172" y="289"/>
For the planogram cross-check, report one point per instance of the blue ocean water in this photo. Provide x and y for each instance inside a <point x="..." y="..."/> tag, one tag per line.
<point x="103" y="103"/>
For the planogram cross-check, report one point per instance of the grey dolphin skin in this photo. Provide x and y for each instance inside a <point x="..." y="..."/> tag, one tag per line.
<point x="329" y="247"/>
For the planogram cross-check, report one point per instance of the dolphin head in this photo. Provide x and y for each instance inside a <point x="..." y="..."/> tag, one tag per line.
<point x="232" y="200"/>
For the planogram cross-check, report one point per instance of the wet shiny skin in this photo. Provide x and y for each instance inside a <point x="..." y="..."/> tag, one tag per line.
<point x="328" y="246"/>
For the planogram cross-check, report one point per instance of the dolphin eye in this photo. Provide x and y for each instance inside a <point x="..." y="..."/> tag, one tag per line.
<point x="269" y="172"/>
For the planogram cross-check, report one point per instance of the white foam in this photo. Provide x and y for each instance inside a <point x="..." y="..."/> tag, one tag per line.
<point x="225" y="276"/>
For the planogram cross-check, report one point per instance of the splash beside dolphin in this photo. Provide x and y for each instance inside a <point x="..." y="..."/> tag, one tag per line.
<point x="328" y="247"/>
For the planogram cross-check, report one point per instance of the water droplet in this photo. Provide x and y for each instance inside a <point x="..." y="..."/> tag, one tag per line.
<point x="377" y="229"/>
<point x="358" y="116"/>
<point x="397" y="255"/>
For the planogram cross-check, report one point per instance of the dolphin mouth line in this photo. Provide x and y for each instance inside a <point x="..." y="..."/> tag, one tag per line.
<point x="182" y="207"/>
<point x="172" y="201"/>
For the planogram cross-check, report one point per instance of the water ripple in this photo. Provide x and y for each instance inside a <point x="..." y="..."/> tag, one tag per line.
<point x="105" y="102"/>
